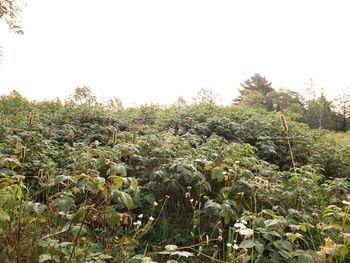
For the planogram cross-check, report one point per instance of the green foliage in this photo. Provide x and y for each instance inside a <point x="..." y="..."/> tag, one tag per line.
<point x="186" y="183"/>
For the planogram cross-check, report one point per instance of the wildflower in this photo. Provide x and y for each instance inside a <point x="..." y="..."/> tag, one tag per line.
<point x="229" y="245"/>
<point x="246" y="232"/>
<point x="314" y="214"/>
<point x="191" y="200"/>
<point x="140" y="216"/>
<point x="244" y="222"/>
<point x="137" y="223"/>
<point x="155" y="203"/>
<point x="151" y="218"/>
<point x="240" y="226"/>
<point x="189" y="188"/>
<point x="167" y="196"/>
<point x="235" y="247"/>
<point x="187" y="195"/>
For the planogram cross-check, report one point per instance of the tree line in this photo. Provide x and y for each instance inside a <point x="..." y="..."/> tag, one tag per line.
<point x="316" y="111"/>
<point x="256" y="92"/>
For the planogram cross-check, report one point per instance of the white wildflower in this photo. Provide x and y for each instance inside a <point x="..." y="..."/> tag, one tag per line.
<point x="240" y="226"/>
<point x="151" y="218"/>
<point x="235" y="247"/>
<point x="346" y="202"/>
<point x="155" y="203"/>
<point x="137" y="223"/>
<point x="140" y="216"/>
<point x="244" y="222"/>
<point x="247" y="232"/>
<point x="229" y="245"/>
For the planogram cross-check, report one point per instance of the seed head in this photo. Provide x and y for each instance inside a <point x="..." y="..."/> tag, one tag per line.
<point x="284" y="123"/>
<point x="114" y="136"/>
<point x="23" y="153"/>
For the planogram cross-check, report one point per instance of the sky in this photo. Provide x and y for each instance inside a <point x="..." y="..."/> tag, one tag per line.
<point x="157" y="50"/>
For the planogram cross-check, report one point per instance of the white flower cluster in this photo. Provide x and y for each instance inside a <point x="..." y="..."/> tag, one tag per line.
<point x="234" y="246"/>
<point x="242" y="228"/>
<point x="138" y="223"/>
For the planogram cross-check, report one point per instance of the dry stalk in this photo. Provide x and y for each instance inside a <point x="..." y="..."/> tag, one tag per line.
<point x="286" y="131"/>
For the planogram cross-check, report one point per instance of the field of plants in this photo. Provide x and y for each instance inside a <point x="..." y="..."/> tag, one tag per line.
<point x="181" y="183"/>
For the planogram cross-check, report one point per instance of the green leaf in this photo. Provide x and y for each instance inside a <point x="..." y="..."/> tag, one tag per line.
<point x="271" y="222"/>
<point x="120" y="169"/>
<point x="118" y="182"/>
<point x="61" y="178"/>
<point x="123" y="198"/>
<point x="104" y="256"/>
<point x="64" y="203"/>
<point x="44" y="257"/>
<point x="305" y="258"/>
<point x="246" y="244"/>
<point x="259" y="247"/>
<point x="217" y="173"/>
<point x="4" y="216"/>
<point x="287" y="245"/>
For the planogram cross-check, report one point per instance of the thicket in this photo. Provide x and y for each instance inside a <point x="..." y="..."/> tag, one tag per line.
<point x="181" y="183"/>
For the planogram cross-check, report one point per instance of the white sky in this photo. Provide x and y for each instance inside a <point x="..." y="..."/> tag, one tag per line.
<point x="156" y="50"/>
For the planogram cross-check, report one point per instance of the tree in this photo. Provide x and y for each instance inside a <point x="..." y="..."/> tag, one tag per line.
<point x="256" y="83"/>
<point x="256" y="87"/>
<point x="83" y="96"/>
<point x="286" y="100"/>
<point x="9" y="11"/>
<point x="343" y="107"/>
<point x="319" y="114"/>
<point x="115" y="104"/>
<point x="206" y="97"/>
<point x="14" y="103"/>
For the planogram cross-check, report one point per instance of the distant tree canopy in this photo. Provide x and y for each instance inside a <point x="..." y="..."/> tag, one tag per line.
<point x="258" y="92"/>
<point x="206" y="97"/>
<point x="317" y="112"/>
<point x="83" y="96"/>
<point x="14" y="103"/>
<point x="256" y="83"/>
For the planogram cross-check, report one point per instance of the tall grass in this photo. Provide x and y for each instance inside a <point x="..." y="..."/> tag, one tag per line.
<point x="342" y="138"/>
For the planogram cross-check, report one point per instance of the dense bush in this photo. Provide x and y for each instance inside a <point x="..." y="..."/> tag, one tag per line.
<point x="198" y="183"/>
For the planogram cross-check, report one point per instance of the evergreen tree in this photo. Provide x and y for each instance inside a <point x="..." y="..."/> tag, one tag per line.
<point x="256" y="83"/>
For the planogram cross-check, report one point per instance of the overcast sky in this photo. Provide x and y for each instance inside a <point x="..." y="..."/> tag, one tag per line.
<point x="155" y="51"/>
